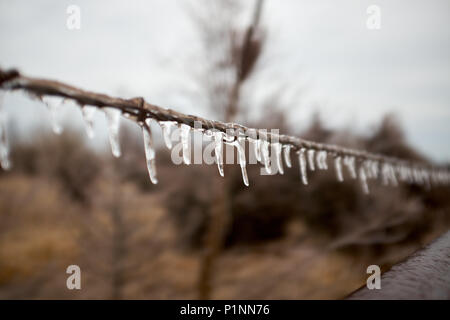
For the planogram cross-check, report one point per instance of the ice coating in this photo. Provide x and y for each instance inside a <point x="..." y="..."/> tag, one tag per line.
<point x="241" y="156"/>
<point x="287" y="155"/>
<point x="388" y="175"/>
<point x="113" y="121"/>
<point x="311" y="153"/>
<point x="88" y="113"/>
<point x="185" y="133"/>
<point x="5" y="163"/>
<point x="278" y="146"/>
<point x="302" y="162"/>
<point x="53" y="105"/>
<point x="149" y="151"/>
<point x="322" y="160"/>
<point x="256" y="143"/>
<point x="338" y="167"/>
<point x="218" y="150"/>
<point x="166" y="127"/>
<point x="363" y="179"/>
<point x="265" y="156"/>
<point x="349" y="161"/>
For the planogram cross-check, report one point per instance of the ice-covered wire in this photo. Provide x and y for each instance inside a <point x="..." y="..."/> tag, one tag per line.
<point x="140" y="110"/>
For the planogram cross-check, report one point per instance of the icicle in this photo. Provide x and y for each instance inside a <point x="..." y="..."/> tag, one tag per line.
<point x="319" y="160"/>
<point x="426" y="178"/>
<point x="374" y="168"/>
<point x="278" y="146"/>
<point x="363" y="178"/>
<point x="257" y="149"/>
<point x="371" y="167"/>
<point x="256" y="143"/>
<point x="218" y="150"/>
<point x="241" y="155"/>
<point x="393" y="176"/>
<point x="113" y="120"/>
<point x="287" y="155"/>
<point x="322" y="160"/>
<point x="53" y="105"/>
<point x="403" y="174"/>
<point x="385" y="174"/>
<point x="302" y="161"/>
<point x="350" y="163"/>
<point x="88" y="116"/>
<point x="311" y="159"/>
<point x="185" y="132"/>
<point x="366" y="165"/>
<point x="409" y="175"/>
<point x="265" y="156"/>
<point x="338" y="166"/>
<point x="388" y="174"/>
<point x="5" y="163"/>
<point x="149" y="152"/>
<point x="166" y="127"/>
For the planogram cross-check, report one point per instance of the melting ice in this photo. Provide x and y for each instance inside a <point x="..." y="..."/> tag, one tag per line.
<point x="338" y="166"/>
<point x="88" y="116"/>
<point x="302" y="161"/>
<point x="149" y="151"/>
<point x="166" y="127"/>
<point x="113" y="121"/>
<point x="185" y="133"/>
<point x="53" y="105"/>
<point x="287" y="155"/>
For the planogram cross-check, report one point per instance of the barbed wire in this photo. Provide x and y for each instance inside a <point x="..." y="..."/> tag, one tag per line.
<point x="140" y="110"/>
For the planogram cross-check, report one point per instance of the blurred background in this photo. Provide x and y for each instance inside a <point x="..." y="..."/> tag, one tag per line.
<point x="308" y="68"/>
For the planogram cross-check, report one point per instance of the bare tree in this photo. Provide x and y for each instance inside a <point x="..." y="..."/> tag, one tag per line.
<point x="235" y="53"/>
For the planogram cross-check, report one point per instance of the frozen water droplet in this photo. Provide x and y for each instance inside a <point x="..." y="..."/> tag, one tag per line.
<point x="258" y="150"/>
<point x="372" y="167"/>
<point x="256" y="143"/>
<point x="218" y="150"/>
<point x="322" y="160"/>
<point x="113" y="121"/>
<point x="302" y="161"/>
<point x="149" y="151"/>
<point x="402" y="173"/>
<point x="5" y="163"/>
<point x="350" y="163"/>
<point x="311" y="153"/>
<point x="242" y="161"/>
<point x="185" y="133"/>
<point x="53" y="105"/>
<point x="363" y="179"/>
<point x="278" y="146"/>
<point x="265" y="156"/>
<point x="388" y="174"/>
<point x="287" y="155"/>
<point x="338" y="167"/>
<point x="88" y="116"/>
<point x="393" y="176"/>
<point x="166" y="127"/>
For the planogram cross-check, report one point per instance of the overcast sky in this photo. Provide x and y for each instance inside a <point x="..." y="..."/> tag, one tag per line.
<point x="351" y="74"/>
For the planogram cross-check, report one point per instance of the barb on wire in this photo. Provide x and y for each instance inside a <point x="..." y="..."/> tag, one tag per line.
<point x="141" y="111"/>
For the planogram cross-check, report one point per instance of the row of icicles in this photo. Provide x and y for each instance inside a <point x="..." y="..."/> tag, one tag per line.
<point x="308" y="158"/>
